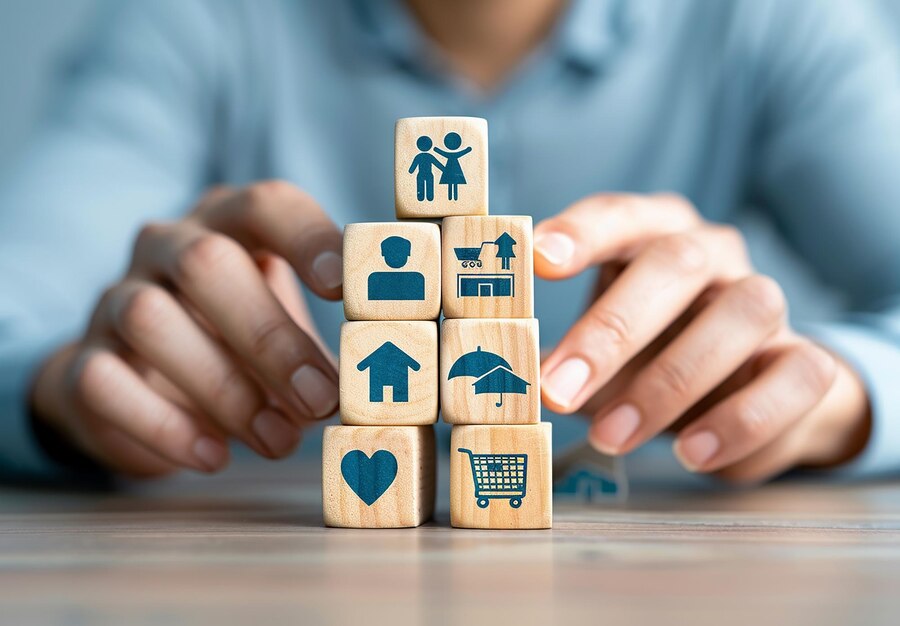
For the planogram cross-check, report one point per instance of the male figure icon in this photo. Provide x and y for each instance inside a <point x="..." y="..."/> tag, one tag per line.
<point x="424" y="162"/>
<point x="396" y="285"/>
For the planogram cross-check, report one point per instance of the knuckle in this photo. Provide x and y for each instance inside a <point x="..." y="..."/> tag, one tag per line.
<point x="196" y="259"/>
<point x="271" y="338"/>
<point x="142" y="312"/>
<point x="150" y="233"/>
<point x="817" y="367"/>
<point x="681" y="252"/>
<point x="169" y="430"/>
<point x="672" y="376"/>
<point x="753" y="420"/>
<point x="269" y="192"/>
<point x="762" y="299"/>
<point x="91" y="377"/>
<point x="608" y="326"/>
<point x="235" y="398"/>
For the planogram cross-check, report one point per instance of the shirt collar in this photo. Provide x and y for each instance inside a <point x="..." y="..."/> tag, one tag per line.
<point x="587" y="36"/>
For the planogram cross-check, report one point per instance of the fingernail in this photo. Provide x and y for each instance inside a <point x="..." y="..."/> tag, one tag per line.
<point x="329" y="269"/>
<point x="277" y="434"/>
<point x="316" y="391"/>
<point x="566" y="380"/>
<point x="211" y="453"/>
<point x="557" y="248"/>
<point x="695" y="450"/>
<point x="612" y="431"/>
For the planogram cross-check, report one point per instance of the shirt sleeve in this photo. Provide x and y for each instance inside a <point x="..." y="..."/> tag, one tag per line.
<point x="828" y="92"/>
<point x="126" y="141"/>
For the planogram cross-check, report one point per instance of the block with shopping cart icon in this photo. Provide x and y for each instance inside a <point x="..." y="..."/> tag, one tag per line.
<point x="501" y="476"/>
<point x="487" y="267"/>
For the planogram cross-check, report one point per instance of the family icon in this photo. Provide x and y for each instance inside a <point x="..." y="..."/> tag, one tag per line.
<point x="451" y="171"/>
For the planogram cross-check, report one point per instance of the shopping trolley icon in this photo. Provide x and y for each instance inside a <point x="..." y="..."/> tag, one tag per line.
<point x="498" y="476"/>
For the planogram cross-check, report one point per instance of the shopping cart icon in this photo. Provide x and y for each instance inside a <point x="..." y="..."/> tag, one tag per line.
<point x="498" y="476"/>
<point x="471" y="257"/>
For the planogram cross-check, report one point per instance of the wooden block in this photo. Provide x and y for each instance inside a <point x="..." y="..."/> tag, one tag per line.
<point x="392" y="270"/>
<point x="440" y="166"/>
<point x="501" y="476"/>
<point x="378" y="477"/>
<point x="389" y="373"/>
<point x="490" y="371"/>
<point x="488" y="266"/>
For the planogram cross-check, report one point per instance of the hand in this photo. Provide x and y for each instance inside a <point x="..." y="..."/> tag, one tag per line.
<point x="205" y="338"/>
<point x="684" y="335"/>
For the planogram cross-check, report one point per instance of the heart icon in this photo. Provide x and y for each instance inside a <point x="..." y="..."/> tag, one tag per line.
<point x="369" y="477"/>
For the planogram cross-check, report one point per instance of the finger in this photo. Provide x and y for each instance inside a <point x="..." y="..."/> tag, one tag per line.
<point x="650" y="294"/>
<point x="104" y="386"/>
<point x="278" y="217"/>
<point x="790" y="387"/>
<point x="606" y="227"/>
<point x="155" y="326"/>
<point x="712" y="347"/>
<point x="221" y="280"/>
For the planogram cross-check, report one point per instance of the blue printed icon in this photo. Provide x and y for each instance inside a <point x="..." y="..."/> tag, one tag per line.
<point x="369" y="477"/>
<point x="486" y="285"/>
<point x="424" y="163"/>
<point x="388" y="366"/>
<point x="498" y="476"/>
<point x="396" y="285"/>
<point x="492" y="373"/>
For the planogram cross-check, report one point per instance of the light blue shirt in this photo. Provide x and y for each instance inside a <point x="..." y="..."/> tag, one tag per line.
<point x="789" y="106"/>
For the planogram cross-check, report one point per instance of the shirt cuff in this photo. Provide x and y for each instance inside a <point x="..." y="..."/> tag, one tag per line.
<point x="21" y="456"/>
<point x="876" y="360"/>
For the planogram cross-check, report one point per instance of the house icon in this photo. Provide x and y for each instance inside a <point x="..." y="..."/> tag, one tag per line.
<point x="388" y="366"/>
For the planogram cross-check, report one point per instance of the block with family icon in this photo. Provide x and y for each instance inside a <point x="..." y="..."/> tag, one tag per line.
<point x="487" y="267"/>
<point x="392" y="271"/>
<point x="440" y="167"/>
<point x="378" y="477"/>
<point x="389" y="373"/>
<point x="490" y="371"/>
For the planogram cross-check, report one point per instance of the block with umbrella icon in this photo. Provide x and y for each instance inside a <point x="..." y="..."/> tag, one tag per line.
<point x="490" y="371"/>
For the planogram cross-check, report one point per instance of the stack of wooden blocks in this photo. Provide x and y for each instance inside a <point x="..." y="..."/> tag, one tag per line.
<point x="379" y="465"/>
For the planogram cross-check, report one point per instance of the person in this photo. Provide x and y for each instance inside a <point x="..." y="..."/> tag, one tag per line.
<point x="150" y="357"/>
<point x="396" y="285"/>
<point x="452" y="174"/>
<point x="423" y="165"/>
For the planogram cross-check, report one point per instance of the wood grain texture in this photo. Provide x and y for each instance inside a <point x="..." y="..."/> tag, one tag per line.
<point x="466" y="285"/>
<point x="407" y="502"/>
<point x="248" y="546"/>
<point x="499" y="478"/>
<point x="359" y="340"/>
<point x="472" y="197"/>
<point x="363" y="258"/>
<point x="517" y="342"/>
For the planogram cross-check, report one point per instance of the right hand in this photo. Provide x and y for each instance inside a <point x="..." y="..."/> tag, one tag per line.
<point x="206" y="337"/>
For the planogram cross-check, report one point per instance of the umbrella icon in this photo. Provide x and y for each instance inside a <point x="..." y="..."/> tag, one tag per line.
<point x="492" y="372"/>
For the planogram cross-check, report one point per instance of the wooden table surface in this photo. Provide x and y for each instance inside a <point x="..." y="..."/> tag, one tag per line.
<point x="248" y="547"/>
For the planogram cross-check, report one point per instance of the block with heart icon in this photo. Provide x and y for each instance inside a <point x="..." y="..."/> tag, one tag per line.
<point x="487" y="266"/>
<point x="389" y="373"/>
<point x="378" y="477"/>
<point x="501" y="476"/>
<point x="490" y="371"/>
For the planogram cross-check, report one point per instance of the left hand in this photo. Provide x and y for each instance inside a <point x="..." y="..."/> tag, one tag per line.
<point x="686" y="336"/>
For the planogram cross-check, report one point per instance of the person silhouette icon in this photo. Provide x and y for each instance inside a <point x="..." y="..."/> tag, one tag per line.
<point x="396" y="285"/>
<point x="424" y="162"/>
<point x="452" y="173"/>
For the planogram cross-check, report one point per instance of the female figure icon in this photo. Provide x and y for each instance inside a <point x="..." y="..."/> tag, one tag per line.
<point x="453" y="176"/>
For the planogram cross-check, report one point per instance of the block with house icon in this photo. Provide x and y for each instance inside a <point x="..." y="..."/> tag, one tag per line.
<point x="487" y="267"/>
<point x="388" y="373"/>
<point x="490" y="371"/>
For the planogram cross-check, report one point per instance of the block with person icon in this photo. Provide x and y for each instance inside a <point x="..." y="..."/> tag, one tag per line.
<point x="440" y="167"/>
<point x="392" y="271"/>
